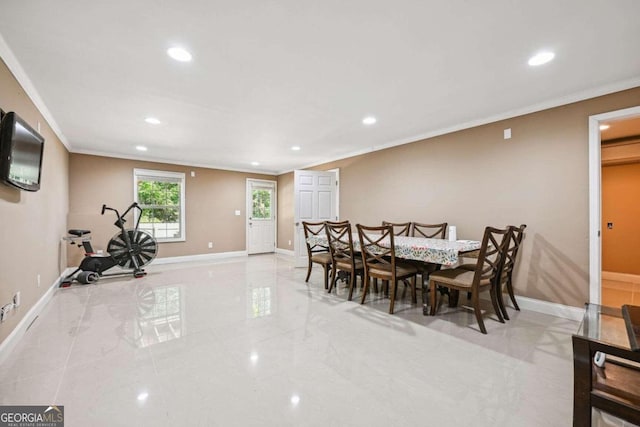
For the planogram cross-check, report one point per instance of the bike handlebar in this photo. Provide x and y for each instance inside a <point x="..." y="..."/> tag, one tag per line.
<point x="131" y="206"/>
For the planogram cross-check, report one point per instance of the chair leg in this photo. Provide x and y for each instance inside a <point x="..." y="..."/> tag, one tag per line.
<point x="375" y="285"/>
<point x="365" y="289"/>
<point x="334" y="279"/>
<point x="511" y="295"/>
<point x="494" y="301"/>
<point x="393" y="288"/>
<point x="414" y="294"/>
<point x="352" y="283"/>
<point x="500" y="297"/>
<point x="432" y="291"/>
<point x="309" y="270"/>
<point x="475" y="298"/>
<point x="326" y="275"/>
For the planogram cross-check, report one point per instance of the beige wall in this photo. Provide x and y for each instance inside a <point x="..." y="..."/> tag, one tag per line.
<point x="474" y="178"/>
<point x="31" y="224"/>
<point x="212" y="197"/>
<point x="285" y="211"/>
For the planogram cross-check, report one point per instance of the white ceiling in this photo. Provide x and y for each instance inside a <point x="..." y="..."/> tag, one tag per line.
<point x="267" y="75"/>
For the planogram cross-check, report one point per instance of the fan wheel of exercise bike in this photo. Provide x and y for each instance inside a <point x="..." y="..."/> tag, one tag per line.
<point x="143" y="244"/>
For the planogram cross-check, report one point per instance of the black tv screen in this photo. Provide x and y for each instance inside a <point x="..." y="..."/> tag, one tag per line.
<point x="21" y="150"/>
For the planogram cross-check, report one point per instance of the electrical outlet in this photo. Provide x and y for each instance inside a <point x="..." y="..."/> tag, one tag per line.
<point x="210" y="245"/>
<point x="16" y="300"/>
<point x="38" y="278"/>
<point x="4" y="311"/>
<point x="289" y="242"/>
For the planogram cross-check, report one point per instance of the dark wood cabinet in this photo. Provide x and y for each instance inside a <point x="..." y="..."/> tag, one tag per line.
<point x="615" y="387"/>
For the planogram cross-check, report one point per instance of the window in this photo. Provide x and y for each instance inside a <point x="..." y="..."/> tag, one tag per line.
<point x="261" y="206"/>
<point x="161" y="197"/>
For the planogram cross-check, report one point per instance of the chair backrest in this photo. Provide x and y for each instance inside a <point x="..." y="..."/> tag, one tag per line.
<point x="399" y="228"/>
<point x="337" y="222"/>
<point x="490" y="256"/>
<point x="511" y="251"/>
<point x="377" y="247"/>
<point x="430" y="231"/>
<point x="340" y="243"/>
<point x="316" y="233"/>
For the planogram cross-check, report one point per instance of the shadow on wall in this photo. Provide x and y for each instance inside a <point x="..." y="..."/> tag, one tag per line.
<point x="555" y="277"/>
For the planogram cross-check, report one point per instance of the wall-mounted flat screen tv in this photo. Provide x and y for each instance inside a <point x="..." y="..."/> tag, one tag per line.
<point x="21" y="150"/>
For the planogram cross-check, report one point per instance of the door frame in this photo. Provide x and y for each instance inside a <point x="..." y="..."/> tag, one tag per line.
<point x="274" y="210"/>
<point x="595" y="197"/>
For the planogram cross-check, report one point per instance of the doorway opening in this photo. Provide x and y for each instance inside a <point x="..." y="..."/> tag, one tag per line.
<point x="596" y="228"/>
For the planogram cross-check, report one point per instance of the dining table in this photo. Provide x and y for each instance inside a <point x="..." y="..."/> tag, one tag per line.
<point x="436" y="251"/>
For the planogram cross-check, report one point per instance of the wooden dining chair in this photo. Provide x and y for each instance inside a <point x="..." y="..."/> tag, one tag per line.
<point x="317" y="252"/>
<point x="428" y="231"/>
<point x="399" y="228"/>
<point x="506" y="271"/>
<point x="482" y="278"/>
<point x="379" y="259"/>
<point x="343" y="257"/>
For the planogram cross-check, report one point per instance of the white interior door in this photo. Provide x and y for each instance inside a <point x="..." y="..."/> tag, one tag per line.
<point x="261" y="216"/>
<point x="315" y="200"/>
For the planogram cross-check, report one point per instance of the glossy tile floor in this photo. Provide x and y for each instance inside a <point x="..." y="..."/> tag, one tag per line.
<point x="245" y="342"/>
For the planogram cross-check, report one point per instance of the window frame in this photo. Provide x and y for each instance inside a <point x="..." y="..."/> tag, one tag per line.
<point x="149" y="174"/>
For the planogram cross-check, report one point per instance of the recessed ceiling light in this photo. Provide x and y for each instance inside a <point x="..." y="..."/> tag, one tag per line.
<point x="141" y="148"/>
<point x="604" y="127"/>
<point x="152" y="120"/>
<point x="295" y="148"/>
<point x="255" y="164"/>
<point x="369" y="120"/>
<point x="179" y="54"/>
<point x="541" y="58"/>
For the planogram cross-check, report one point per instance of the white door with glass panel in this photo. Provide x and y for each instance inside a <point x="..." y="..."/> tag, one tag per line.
<point x="261" y="216"/>
<point x="315" y="200"/>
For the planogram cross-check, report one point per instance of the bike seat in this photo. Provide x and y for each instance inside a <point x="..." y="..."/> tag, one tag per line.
<point x="79" y="233"/>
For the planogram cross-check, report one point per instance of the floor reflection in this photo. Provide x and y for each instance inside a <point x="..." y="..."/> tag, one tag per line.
<point x="161" y="316"/>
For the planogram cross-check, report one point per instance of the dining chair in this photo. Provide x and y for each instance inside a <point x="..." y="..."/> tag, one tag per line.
<point x="399" y="228"/>
<point x="343" y="257"/>
<point x="379" y="259"/>
<point x="482" y="277"/>
<point x="429" y="231"/>
<point x="317" y="252"/>
<point x="506" y="271"/>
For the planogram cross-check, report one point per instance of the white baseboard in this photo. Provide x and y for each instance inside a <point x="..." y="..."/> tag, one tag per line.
<point x="544" y="307"/>
<point x="9" y="343"/>
<point x="199" y="257"/>
<point x="286" y="252"/>
<point x="621" y="277"/>
<point x="550" y="308"/>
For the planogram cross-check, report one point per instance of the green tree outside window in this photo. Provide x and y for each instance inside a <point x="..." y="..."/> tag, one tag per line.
<point x="261" y="204"/>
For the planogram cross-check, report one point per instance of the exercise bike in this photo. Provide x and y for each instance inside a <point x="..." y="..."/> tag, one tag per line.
<point x="130" y="249"/>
